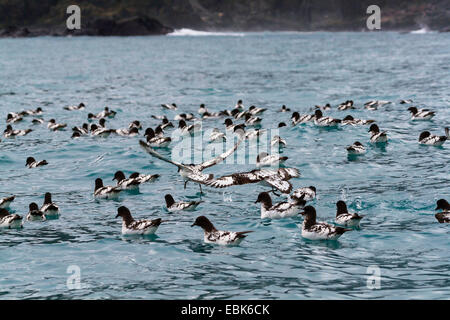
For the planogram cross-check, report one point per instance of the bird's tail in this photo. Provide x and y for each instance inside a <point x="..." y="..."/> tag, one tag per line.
<point x="242" y="234"/>
<point x="340" y="230"/>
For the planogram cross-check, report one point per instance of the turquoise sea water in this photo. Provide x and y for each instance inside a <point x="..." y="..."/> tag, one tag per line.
<point x="396" y="187"/>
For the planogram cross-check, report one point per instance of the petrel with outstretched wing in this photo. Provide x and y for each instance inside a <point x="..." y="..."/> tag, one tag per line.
<point x="193" y="172"/>
<point x="277" y="179"/>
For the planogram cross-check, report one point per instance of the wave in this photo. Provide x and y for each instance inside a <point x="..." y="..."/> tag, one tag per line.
<point x="422" y="30"/>
<point x="196" y="33"/>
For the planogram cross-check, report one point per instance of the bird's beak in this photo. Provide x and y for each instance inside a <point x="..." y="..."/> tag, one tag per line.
<point x="256" y="201"/>
<point x="117" y="216"/>
<point x="193" y="224"/>
<point x="302" y="213"/>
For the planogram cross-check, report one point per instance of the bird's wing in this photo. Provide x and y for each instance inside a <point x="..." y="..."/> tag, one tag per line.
<point x="282" y="206"/>
<point x="220" y="158"/>
<point x="152" y="152"/>
<point x="222" y="182"/>
<point x="199" y="177"/>
<point x="276" y="182"/>
<point x="144" y="224"/>
<point x="288" y="173"/>
<point x="235" y="179"/>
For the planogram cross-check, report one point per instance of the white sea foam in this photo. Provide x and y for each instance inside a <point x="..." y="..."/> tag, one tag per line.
<point x="423" y="30"/>
<point x="196" y="33"/>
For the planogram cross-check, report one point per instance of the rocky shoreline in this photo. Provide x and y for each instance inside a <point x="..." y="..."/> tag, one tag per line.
<point x="134" y="26"/>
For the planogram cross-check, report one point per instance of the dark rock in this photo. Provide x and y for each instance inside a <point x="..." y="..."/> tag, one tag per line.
<point x="14" y="31"/>
<point x="134" y="26"/>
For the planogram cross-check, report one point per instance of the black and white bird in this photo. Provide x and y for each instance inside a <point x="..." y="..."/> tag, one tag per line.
<point x="192" y="172"/>
<point x="284" y="109"/>
<point x="98" y="131"/>
<point x="159" y="117"/>
<point x="377" y="136"/>
<point x="36" y="112"/>
<point x="239" y="105"/>
<point x="11" y="133"/>
<point x="106" y="113"/>
<point x="13" y="118"/>
<point x="349" y="120"/>
<point x="304" y="193"/>
<point x="232" y="127"/>
<point x="253" y="134"/>
<point x="136" y="227"/>
<point x="212" y="115"/>
<point x="48" y="207"/>
<point x="430" y="139"/>
<point x="172" y="106"/>
<point x="173" y="206"/>
<point x="345" y="218"/>
<point x="52" y="125"/>
<point x="212" y="235"/>
<point x="6" y="202"/>
<point x="407" y="101"/>
<point x="102" y="122"/>
<point x="156" y="141"/>
<point x="191" y="129"/>
<point x="267" y="160"/>
<point x="131" y="132"/>
<point x="252" y="121"/>
<point x="346" y="105"/>
<point x="421" y="114"/>
<point x="76" y="134"/>
<point x="238" y="114"/>
<point x="81" y="106"/>
<point x="217" y="136"/>
<point x="159" y="131"/>
<point x="32" y="163"/>
<point x="202" y="109"/>
<point x="322" y="121"/>
<point x="105" y="192"/>
<point x="134" y="181"/>
<point x="184" y="116"/>
<point x="135" y="124"/>
<point x="37" y="121"/>
<point x="444" y="216"/>
<point x="143" y="178"/>
<point x="375" y="104"/>
<point x="279" y="210"/>
<point x="34" y="214"/>
<point x="299" y="119"/>
<point x="10" y="221"/>
<point x="83" y="130"/>
<point x="277" y="179"/>
<point x="356" y="148"/>
<point x="254" y="110"/>
<point x="324" y="108"/>
<point x="313" y="230"/>
<point x="165" y="124"/>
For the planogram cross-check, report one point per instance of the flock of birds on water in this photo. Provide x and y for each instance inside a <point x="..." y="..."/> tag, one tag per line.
<point x="268" y="172"/>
